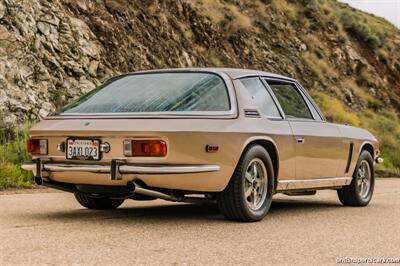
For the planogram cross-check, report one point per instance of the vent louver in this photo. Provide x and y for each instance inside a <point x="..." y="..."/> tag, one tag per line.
<point x="251" y="113"/>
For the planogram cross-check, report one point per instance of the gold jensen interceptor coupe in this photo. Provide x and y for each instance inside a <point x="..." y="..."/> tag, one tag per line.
<point x="233" y="136"/>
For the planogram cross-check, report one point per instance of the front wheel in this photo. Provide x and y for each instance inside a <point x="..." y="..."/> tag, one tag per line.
<point x="248" y="196"/>
<point x="360" y="191"/>
<point x="97" y="203"/>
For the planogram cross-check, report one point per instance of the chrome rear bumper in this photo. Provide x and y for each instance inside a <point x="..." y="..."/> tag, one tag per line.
<point x="116" y="168"/>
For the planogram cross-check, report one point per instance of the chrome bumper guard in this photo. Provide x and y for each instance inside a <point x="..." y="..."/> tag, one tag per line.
<point x="116" y="168"/>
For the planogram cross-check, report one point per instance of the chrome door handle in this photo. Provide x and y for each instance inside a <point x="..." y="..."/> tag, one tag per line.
<point x="300" y="140"/>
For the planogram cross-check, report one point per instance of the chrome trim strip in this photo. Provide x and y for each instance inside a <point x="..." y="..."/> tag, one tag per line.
<point x="150" y="114"/>
<point x="286" y="185"/>
<point x="124" y="169"/>
<point x="168" y="169"/>
<point x="119" y="116"/>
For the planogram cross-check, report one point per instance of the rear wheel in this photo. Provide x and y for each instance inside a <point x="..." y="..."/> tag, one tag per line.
<point x="97" y="203"/>
<point x="360" y="191"/>
<point x="248" y="196"/>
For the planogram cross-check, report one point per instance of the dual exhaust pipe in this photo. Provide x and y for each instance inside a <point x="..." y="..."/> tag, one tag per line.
<point x="131" y="186"/>
<point x="137" y="189"/>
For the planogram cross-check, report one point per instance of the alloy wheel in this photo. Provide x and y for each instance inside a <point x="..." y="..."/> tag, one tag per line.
<point x="255" y="185"/>
<point x="364" y="179"/>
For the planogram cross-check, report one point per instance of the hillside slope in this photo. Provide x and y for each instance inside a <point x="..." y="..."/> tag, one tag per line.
<point x="54" y="51"/>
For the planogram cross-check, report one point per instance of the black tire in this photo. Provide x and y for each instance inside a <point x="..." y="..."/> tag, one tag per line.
<point x="354" y="195"/>
<point x="233" y="203"/>
<point x="97" y="203"/>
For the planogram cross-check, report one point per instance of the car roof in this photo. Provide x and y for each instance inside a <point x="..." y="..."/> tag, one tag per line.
<point x="233" y="73"/>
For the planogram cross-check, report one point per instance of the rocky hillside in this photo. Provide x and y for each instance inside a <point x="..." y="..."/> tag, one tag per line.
<point x="54" y="51"/>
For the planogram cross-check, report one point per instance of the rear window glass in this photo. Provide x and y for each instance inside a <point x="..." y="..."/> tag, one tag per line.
<point x="155" y="92"/>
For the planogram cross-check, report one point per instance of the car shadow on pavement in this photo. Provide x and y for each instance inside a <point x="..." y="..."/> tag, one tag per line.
<point x="286" y="207"/>
<point x="182" y="212"/>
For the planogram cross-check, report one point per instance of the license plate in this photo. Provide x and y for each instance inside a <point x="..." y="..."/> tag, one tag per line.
<point x="83" y="149"/>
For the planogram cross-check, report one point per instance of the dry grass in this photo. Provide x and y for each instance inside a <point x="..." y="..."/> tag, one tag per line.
<point x="319" y="66"/>
<point x="213" y="9"/>
<point x="218" y="11"/>
<point x="335" y="111"/>
<point x="365" y="97"/>
<point x="214" y="59"/>
<point x="313" y="42"/>
<point x="290" y="10"/>
<point x="240" y="19"/>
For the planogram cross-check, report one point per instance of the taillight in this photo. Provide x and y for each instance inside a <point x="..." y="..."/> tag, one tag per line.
<point x="37" y="146"/>
<point x="145" y="148"/>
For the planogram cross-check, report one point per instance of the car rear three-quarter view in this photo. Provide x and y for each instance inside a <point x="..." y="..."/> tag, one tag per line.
<point x="233" y="136"/>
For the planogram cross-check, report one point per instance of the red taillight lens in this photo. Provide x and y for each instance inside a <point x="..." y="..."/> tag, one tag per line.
<point x="37" y="146"/>
<point x="145" y="148"/>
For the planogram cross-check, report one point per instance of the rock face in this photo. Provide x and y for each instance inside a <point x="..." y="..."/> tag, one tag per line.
<point x="54" y="51"/>
<point x="47" y="57"/>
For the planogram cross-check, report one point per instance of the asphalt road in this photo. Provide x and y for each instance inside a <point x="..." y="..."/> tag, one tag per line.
<point x="51" y="228"/>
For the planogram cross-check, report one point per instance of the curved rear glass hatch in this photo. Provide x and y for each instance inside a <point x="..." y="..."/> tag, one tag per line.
<point x="166" y="92"/>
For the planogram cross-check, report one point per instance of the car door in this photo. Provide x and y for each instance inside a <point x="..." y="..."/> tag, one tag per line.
<point x="319" y="146"/>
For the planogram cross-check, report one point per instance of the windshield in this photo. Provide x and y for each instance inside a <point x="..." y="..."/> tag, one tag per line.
<point x="155" y="92"/>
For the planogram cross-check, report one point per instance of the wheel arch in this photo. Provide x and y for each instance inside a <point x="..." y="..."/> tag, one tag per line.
<point x="270" y="146"/>
<point x="367" y="146"/>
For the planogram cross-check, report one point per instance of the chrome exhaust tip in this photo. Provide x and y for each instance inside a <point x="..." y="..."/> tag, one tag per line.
<point x="38" y="180"/>
<point x="130" y="185"/>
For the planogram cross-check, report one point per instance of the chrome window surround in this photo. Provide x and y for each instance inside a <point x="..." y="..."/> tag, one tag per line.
<point x="303" y="92"/>
<point x="300" y="92"/>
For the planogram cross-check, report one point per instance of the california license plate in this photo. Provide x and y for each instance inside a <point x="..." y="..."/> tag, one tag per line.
<point x="83" y="149"/>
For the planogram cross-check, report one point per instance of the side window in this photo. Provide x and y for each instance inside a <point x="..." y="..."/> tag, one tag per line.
<point x="290" y="99"/>
<point x="313" y="110"/>
<point x="313" y="107"/>
<point x="261" y="97"/>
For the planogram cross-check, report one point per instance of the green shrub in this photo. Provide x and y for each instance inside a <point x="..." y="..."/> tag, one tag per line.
<point x="355" y="26"/>
<point x="13" y="145"/>
<point x="11" y="175"/>
<point x="387" y="129"/>
<point x="12" y="154"/>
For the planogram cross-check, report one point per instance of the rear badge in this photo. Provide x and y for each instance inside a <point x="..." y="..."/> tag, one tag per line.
<point x="86" y="124"/>
<point x="212" y="148"/>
